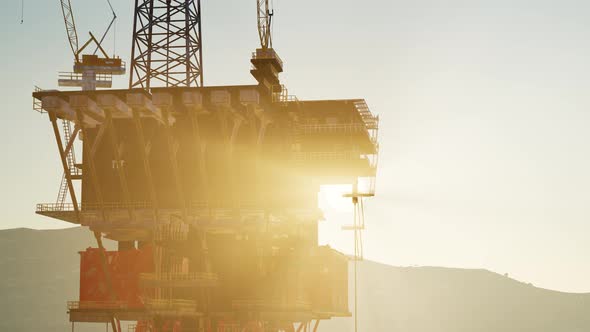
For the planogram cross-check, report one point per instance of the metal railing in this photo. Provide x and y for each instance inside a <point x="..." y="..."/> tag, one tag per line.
<point x="123" y="66"/>
<point x="70" y="76"/>
<point x="366" y="114"/>
<point x="175" y="231"/>
<point x="257" y="304"/>
<point x="371" y="122"/>
<point x="259" y="206"/>
<point x="68" y="207"/>
<point x="193" y="276"/>
<point x="290" y="99"/>
<point x="268" y="53"/>
<point x="176" y="305"/>
<point x="77" y="305"/>
<point x="280" y="94"/>
<point x="332" y="128"/>
<point x="37" y="104"/>
<point x="350" y="155"/>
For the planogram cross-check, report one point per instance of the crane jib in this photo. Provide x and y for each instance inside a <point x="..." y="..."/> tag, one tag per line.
<point x="68" y="15"/>
<point x="70" y="23"/>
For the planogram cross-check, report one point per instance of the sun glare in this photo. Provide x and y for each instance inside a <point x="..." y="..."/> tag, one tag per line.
<point x="331" y="198"/>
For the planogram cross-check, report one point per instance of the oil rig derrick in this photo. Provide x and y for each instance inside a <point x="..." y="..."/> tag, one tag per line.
<point x="209" y="191"/>
<point x="166" y="44"/>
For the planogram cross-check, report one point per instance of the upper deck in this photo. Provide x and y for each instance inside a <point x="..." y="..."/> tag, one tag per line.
<point x="220" y="155"/>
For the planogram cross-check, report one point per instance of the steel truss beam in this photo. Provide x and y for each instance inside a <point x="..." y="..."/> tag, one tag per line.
<point x="167" y="48"/>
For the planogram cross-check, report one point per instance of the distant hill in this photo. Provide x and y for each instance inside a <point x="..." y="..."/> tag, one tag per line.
<point x="39" y="273"/>
<point x="433" y="299"/>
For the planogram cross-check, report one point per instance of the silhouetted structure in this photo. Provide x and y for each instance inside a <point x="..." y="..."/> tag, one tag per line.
<point x="166" y="44"/>
<point x="210" y="192"/>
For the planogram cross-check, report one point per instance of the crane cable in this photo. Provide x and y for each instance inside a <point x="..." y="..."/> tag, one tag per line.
<point x="115" y="39"/>
<point x="272" y="26"/>
<point x="113" y="22"/>
<point x="22" y="11"/>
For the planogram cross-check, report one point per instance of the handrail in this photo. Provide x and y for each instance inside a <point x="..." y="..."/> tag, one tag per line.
<point x="37" y="104"/>
<point x="370" y="120"/>
<point x="282" y="96"/>
<point x="268" y="53"/>
<point x="70" y="76"/>
<point x="175" y="231"/>
<point x="197" y="205"/>
<point x="193" y="276"/>
<point x="277" y="305"/>
<point x="75" y="305"/>
<point x="348" y="155"/>
<point x="311" y="128"/>
<point x="65" y="207"/>
<point x="175" y="304"/>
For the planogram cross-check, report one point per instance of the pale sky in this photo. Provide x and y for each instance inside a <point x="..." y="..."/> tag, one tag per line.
<point x="483" y="104"/>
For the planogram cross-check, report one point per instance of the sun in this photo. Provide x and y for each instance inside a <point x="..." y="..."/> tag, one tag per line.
<point x="338" y="212"/>
<point x="332" y="200"/>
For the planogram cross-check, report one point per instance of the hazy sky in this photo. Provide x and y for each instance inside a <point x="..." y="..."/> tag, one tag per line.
<point x="483" y="104"/>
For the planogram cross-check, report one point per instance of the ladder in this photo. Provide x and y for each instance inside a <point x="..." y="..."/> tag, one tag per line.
<point x="71" y="162"/>
<point x="63" y="193"/>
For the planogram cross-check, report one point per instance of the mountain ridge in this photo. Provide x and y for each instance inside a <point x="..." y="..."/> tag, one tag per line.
<point x="39" y="273"/>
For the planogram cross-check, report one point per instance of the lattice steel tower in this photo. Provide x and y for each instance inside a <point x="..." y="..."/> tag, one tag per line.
<point x="166" y="44"/>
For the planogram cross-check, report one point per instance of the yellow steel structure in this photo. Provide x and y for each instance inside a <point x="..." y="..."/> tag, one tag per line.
<point x="219" y="185"/>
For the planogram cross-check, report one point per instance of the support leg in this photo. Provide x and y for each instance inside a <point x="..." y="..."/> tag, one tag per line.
<point x="317" y="324"/>
<point x="172" y="150"/>
<point x="120" y="167"/>
<point x="200" y="153"/>
<point x="146" y="165"/>
<point x="114" y="325"/>
<point x="89" y="160"/>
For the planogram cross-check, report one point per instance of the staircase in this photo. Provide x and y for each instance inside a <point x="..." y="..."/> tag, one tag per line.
<point x="63" y="192"/>
<point x="370" y="120"/>
<point x="75" y="172"/>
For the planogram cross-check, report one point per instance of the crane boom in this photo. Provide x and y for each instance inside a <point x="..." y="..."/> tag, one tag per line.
<point x="66" y="8"/>
<point x="264" y="23"/>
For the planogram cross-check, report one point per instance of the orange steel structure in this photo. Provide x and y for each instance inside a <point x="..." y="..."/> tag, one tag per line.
<point x="211" y="195"/>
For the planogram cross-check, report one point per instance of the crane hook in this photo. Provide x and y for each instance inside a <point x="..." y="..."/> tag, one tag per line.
<point x="22" y="11"/>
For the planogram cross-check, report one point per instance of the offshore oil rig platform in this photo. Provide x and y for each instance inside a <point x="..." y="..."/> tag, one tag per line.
<point x="209" y="191"/>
